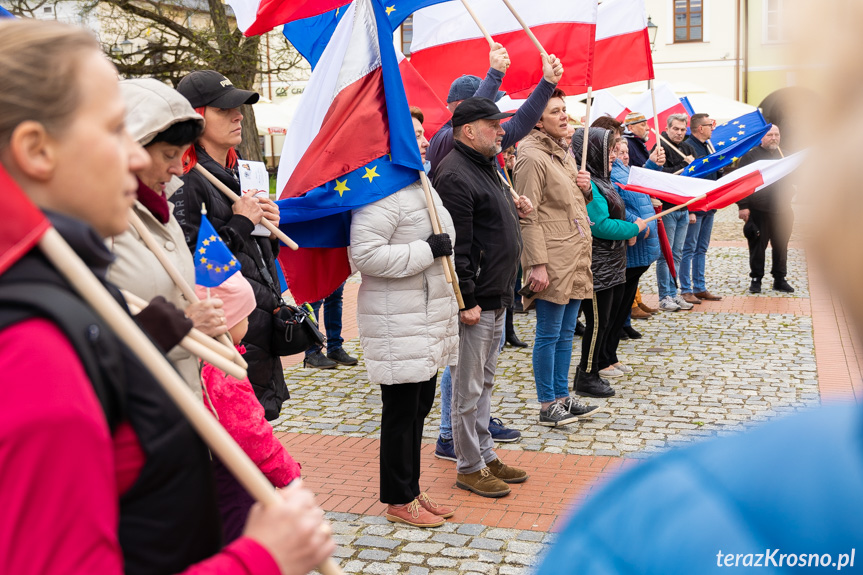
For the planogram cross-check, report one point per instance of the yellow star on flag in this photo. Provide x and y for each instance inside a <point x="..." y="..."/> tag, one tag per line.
<point x="372" y="174"/>
<point x="721" y="143"/>
<point x="734" y="159"/>
<point x="740" y="133"/>
<point x="212" y="238"/>
<point x="206" y="242"/>
<point x="692" y="169"/>
<point x="733" y="139"/>
<point x="203" y="260"/>
<point x="735" y="122"/>
<point x="202" y="251"/>
<point x="209" y="266"/>
<point x="233" y="263"/>
<point x="705" y="161"/>
<point x="391" y="9"/>
<point x="721" y="158"/>
<point x="742" y="126"/>
<point x="342" y="187"/>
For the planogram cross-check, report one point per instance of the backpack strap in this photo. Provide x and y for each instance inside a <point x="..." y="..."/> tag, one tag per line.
<point x="96" y="346"/>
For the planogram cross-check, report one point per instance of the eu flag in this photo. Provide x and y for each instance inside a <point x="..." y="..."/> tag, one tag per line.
<point x="730" y="140"/>
<point x="4" y="13"/>
<point x="214" y="262"/>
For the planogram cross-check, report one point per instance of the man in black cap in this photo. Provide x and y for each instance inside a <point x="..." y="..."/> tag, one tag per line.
<point x="216" y="98"/>
<point x="467" y="86"/>
<point x="487" y="250"/>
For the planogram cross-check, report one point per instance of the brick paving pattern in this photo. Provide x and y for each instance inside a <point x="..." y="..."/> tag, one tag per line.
<point x="715" y="370"/>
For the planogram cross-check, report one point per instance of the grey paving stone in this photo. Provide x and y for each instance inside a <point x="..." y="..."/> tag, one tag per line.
<point x="451" y="539"/>
<point x="470" y="529"/>
<point x="484" y="543"/>
<point x="375" y="541"/>
<point x="425" y="548"/>
<point x="374" y="555"/>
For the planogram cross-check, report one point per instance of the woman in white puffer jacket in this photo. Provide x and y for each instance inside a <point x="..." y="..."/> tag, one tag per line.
<point x="408" y="323"/>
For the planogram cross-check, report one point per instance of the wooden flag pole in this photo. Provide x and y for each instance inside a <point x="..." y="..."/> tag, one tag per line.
<point x="655" y="115"/>
<point x="508" y="184"/>
<point x="192" y="344"/>
<point x="586" y="128"/>
<point x="675" y="208"/>
<point x="448" y="268"/>
<point x="672" y="146"/>
<point x="780" y="151"/>
<point x="178" y="279"/>
<point x="526" y="28"/>
<point x="482" y="29"/>
<point x="234" y="197"/>
<point x="82" y="280"/>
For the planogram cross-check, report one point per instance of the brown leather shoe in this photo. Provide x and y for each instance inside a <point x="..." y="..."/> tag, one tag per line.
<point x="434" y="507"/>
<point x="646" y="308"/>
<point x="413" y="514"/>
<point x="708" y="296"/>
<point x="638" y="313"/>
<point x="506" y="473"/>
<point x="690" y="298"/>
<point x="482" y="482"/>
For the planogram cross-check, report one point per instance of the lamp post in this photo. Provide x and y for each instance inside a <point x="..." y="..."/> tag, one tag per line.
<point x="652" y="29"/>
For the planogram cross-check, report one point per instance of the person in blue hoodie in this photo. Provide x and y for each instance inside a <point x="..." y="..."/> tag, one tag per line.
<point x="640" y="254"/>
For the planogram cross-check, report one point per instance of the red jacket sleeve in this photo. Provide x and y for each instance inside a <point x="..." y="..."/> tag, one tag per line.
<point x="242" y="416"/>
<point x="244" y="556"/>
<point x="57" y="486"/>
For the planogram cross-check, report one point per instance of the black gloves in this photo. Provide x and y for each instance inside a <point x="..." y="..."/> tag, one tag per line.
<point x="165" y="323"/>
<point x="440" y="245"/>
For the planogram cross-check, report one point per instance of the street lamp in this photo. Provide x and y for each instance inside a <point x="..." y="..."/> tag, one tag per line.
<point x="652" y="29"/>
<point x="126" y="46"/>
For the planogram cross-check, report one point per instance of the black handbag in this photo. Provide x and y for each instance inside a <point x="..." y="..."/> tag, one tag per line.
<point x="294" y="331"/>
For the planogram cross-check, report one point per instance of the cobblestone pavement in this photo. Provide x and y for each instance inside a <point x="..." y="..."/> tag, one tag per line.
<point x="695" y="375"/>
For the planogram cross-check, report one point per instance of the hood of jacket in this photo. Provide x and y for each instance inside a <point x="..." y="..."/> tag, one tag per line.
<point x="544" y="143"/>
<point x="600" y="142"/>
<point x="152" y="107"/>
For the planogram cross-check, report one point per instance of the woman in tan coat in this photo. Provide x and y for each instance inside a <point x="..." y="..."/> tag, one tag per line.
<point x="556" y="256"/>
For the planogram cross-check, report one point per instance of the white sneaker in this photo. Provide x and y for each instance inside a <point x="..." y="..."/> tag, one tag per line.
<point x="682" y="303"/>
<point x="622" y="367"/>
<point x="668" y="304"/>
<point x="610" y="371"/>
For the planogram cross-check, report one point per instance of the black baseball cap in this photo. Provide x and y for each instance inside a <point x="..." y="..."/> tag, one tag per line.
<point x="474" y="109"/>
<point x="209" y="88"/>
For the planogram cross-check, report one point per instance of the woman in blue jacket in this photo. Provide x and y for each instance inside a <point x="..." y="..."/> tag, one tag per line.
<point x="610" y="231"/>
<point x="642" y="251"/>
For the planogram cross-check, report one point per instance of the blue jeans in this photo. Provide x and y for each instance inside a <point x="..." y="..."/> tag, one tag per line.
<point x="676" y="224"/>
<point x="332" y="320"/>
<point x="695" y="253"/>
<point x="552" y="350"/>
<point x="446" y="404"/>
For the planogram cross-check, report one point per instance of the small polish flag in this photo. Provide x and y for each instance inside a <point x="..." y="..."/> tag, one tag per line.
<point x="447" y="42"/>
<point x="667" y="103"/>
<point x="622" y="51"/>
<point x="717" y="194"/>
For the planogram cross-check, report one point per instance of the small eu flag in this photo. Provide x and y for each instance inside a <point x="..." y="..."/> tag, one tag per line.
<point x="731" y="140"/>
<point x="214" y="262"/>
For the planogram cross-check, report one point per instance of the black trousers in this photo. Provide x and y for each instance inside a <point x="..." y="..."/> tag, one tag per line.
<point x="405" y="408"/>
<point x="608" y="355"/>
<point x="775" y="229"/>
<point x="597" y="316"/>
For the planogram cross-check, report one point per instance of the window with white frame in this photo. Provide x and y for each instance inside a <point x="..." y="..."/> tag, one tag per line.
<point x="773" y="24"/>
<point x="407" y="35"/>
<point x="688" y="20"/>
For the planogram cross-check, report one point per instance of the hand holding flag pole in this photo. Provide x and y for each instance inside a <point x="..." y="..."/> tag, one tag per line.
<point x="448" y="268"/>
<point x="234" y="197"/>
<point x="179" y="280"/>
<point x="194" y="342"/>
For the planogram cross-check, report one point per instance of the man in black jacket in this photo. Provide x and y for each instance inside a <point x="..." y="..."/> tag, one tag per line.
<point x="487" y="250"/>
<point x="214" y="151"/>
<point x="768" y="218"/>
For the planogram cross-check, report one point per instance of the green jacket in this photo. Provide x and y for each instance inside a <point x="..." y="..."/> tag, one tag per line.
<point x="602" y="225"/>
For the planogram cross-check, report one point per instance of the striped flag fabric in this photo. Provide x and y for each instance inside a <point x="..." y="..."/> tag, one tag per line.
<point x="23" y="223"/>
<point x="721" y="193"/>
<point x="447" y="42"/>
<point x="352" y="143"/>
<point x="256" y="17"/>
<point x="606" y="104"/>
<point x="667" y="103"/>
<point x="622" y="51"/>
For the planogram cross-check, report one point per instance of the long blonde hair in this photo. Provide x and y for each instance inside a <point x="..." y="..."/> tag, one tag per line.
<point x="38" y="67"/>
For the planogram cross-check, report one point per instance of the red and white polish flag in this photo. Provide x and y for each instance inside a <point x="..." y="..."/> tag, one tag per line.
<point x="667" y="103"/>
<point x="255" y="17"/>
<point x="447" y="42"/>
<point x="721" y="193"/>
<point x="606" y="104"/>
<point x="622" y="50"/>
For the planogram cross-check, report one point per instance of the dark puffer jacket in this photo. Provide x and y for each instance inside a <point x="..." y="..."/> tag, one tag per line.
<point x="257" y="255"/>
<point x="606" y="211"/>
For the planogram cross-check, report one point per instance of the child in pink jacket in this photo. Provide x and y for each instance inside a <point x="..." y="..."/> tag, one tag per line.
<point x="234" y="404"/>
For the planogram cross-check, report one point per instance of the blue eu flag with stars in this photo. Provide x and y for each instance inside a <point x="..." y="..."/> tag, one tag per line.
<point x="730" y="140"/>
<point x="214" y="262"/>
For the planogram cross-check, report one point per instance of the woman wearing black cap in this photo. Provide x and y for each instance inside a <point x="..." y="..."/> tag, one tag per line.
<point x="218" y="101"/>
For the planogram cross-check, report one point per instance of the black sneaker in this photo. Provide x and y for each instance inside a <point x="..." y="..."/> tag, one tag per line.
<point x="341" y="357"/>
<point x="576" y="407"/>
<point x="555" y="415"/>
<point x="579" y="328"/>
<point x="591" y="385"/>
<point x="631" y="332"/>
<point x="755" y="286"/>
<point x="319" y="361"/>
<point x="779" y="284"/>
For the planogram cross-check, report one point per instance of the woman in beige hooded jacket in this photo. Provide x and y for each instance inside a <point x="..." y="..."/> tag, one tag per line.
<point x="556" y="256"/>
<point x="162" y="121"/>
